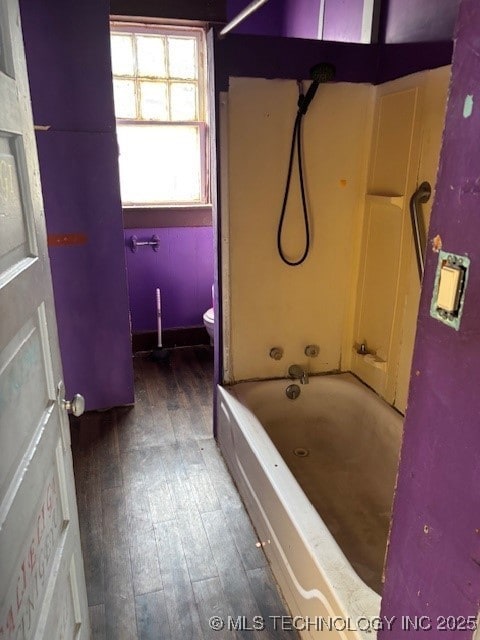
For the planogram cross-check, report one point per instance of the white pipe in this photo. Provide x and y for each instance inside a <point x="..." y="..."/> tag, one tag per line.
<point x="159" y="317"/>
<point x="367" y="21"/>
<point x="321" y="19"/>
<point x="253" y="6"/>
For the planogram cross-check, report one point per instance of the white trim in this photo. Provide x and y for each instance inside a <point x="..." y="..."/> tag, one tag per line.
<point x="321" y="19"/>
<point x="225" y="239"/>
<point x="198" y="34"/>
<point x="367" y="21"/>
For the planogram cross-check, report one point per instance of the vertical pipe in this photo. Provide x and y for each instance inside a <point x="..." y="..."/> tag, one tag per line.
<point x="321" y="18"/>
<point x="159" y="317"/>
<point x="253" y="6"/>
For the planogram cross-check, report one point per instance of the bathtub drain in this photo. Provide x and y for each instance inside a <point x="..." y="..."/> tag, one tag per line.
<point x="301" y="453"/>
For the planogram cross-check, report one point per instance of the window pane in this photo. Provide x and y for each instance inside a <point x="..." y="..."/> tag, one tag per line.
<point x="159" y="164"/>
<point x="124" y="98"/>
<point x="154" y="101"/>
<point x="151" y="56"/>
<point x="183" y="101"/>
<point x="182" y="57"/>
<point x="122" y="55"/>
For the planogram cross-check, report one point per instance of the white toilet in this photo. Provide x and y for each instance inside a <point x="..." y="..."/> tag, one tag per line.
<point x="208" y="321"/>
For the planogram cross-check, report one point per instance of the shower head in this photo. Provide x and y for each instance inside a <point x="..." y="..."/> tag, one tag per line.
<point x="323" y="72"/>
<point x="320" y="73"/>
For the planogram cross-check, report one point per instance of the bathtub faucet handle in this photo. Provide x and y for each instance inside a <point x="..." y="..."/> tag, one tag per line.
<point x="312" y="350"/>
<point x="297" y="372"/>
<point x="276" y="353"/>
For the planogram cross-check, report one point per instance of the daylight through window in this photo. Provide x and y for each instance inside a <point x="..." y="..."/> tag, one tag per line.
<point x="159" y="95"/>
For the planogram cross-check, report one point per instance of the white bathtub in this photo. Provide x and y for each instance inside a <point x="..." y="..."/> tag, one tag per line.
<point x="324" y="527"/>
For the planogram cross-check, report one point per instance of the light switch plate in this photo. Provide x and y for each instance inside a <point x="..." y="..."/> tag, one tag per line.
<point x="449" y="289"/>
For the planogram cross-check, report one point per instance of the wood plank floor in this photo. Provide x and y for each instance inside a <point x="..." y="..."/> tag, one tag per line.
<point x="166" y="540"/>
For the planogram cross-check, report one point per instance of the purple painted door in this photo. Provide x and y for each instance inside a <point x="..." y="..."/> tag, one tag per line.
<point x="433" y="564"/>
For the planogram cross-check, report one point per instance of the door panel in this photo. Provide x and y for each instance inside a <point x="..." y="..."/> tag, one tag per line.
<point x="42" y="587"/>
<point x="17" y="240"/>
<point x="20" y="374"/>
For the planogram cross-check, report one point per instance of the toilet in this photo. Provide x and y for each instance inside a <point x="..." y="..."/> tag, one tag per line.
<point x="208" y="321"/>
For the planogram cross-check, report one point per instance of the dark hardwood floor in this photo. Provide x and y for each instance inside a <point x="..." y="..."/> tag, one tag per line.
<point x="166" y="540"/>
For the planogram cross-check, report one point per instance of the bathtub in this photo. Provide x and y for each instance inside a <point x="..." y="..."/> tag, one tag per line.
<point x="317" y="476"/>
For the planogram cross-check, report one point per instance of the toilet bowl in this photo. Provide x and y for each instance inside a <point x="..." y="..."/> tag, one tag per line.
<point x="208" y="321"/>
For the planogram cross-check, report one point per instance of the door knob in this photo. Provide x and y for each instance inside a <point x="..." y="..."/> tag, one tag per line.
<point x="75" y="406"/>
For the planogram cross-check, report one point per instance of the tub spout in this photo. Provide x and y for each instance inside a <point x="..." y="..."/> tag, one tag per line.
<point x="297" y="372"/>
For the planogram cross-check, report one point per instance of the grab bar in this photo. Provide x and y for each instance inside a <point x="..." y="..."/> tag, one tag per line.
<point x="154" y="242"/>
<point x="420" y="196"/>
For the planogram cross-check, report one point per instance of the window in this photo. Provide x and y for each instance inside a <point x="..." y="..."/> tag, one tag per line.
<point x="159" y="95"/>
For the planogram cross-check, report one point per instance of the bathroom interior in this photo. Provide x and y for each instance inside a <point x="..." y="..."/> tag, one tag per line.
<point x="372" y="135"/>
<point x="350" y="306"/>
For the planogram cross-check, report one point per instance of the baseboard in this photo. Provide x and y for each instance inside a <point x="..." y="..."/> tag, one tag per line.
<point x="183" y="337"/>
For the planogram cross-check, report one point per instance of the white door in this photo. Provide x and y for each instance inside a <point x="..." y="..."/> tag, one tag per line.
<point x="42" y="584"/>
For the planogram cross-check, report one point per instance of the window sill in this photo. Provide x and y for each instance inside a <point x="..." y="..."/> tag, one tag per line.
<point x="167" y="216"/>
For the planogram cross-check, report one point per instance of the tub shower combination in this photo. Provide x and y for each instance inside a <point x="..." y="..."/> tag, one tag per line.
<point x="317" y="475"/>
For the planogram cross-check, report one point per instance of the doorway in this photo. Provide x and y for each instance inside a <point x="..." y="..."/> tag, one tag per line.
<point x="160" y="97"/>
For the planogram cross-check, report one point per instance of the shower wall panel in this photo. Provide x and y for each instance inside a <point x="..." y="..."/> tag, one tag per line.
<point x="273" y="304"/>
<point x="408" y="123"/>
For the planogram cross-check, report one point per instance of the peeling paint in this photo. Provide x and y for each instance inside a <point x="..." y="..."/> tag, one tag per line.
<point x="468" y="106"/>
<point x="437" y="244"/>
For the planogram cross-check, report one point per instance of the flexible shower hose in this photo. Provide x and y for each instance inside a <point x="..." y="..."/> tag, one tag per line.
<point x="296" y="143"/>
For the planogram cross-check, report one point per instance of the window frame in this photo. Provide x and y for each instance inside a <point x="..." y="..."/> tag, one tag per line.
<point x="199" y="32"/>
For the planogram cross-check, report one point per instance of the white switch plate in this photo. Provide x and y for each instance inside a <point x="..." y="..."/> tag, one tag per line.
<point x="449" y="289"/>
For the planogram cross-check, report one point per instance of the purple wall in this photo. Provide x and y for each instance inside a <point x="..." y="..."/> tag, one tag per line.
<point x="397" y="60"/>
<point x="433" y="566"/>
<point x="401" y="21"/>
<point x="342" y="20"/>
<point x="258" y="57"/>
<point x="417" y="20"/>
<point x="300" y="19"/>
<point x="207" y="11"/>
<point x="71" y="91"/>
<point x="183" y="270"/>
